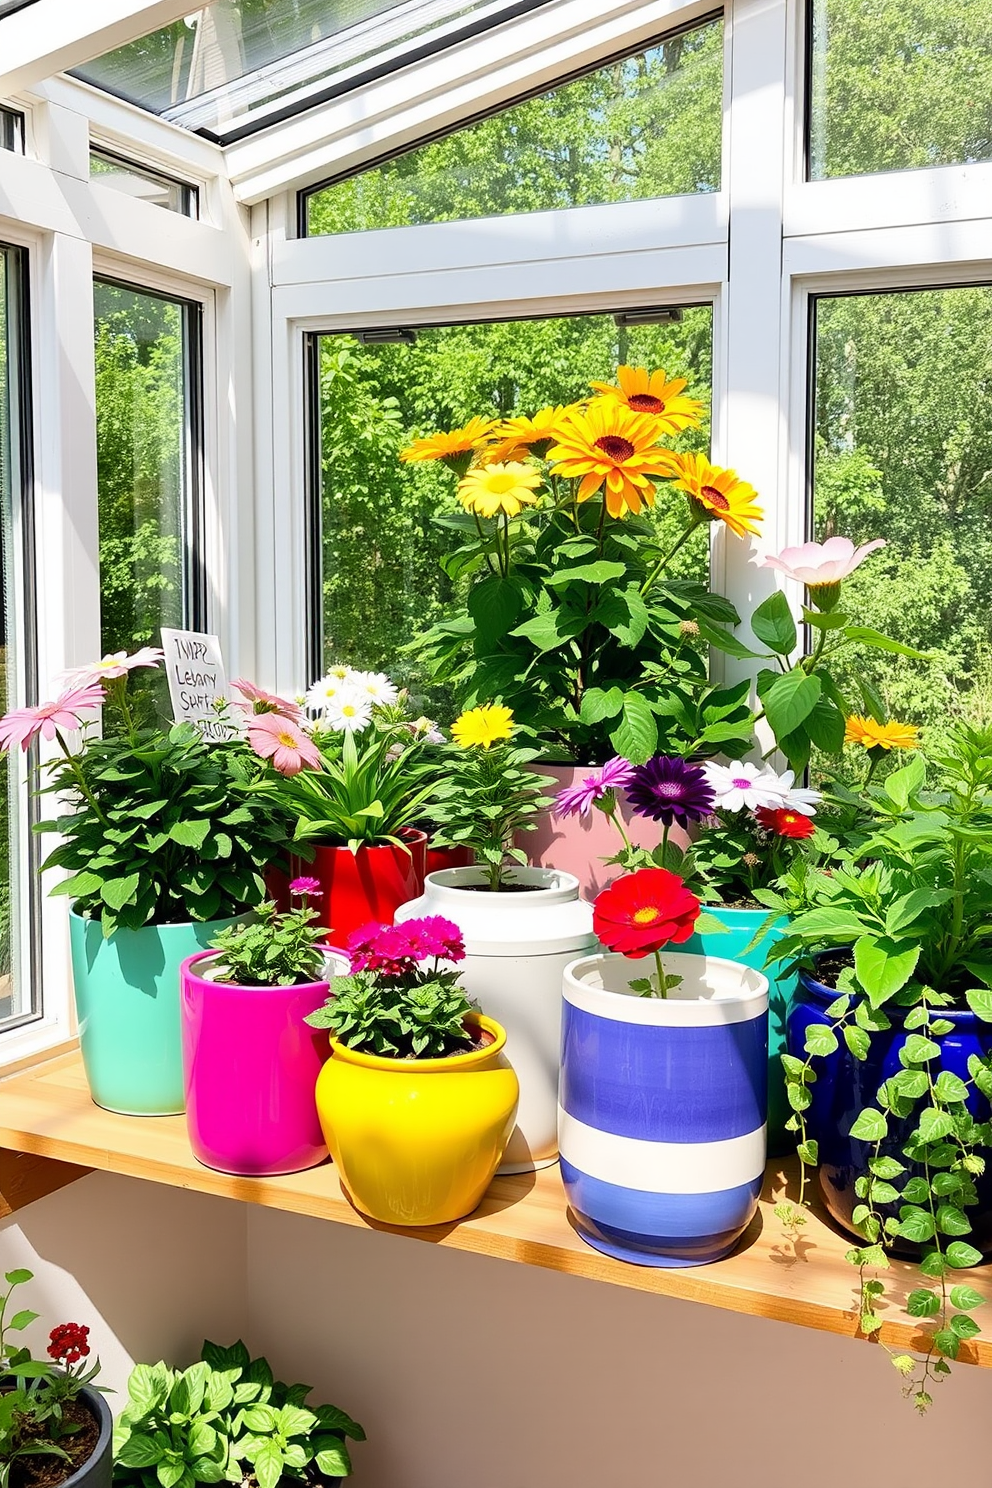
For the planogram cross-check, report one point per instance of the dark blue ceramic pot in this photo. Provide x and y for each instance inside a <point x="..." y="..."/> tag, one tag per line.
<point x="844" y="1086"/>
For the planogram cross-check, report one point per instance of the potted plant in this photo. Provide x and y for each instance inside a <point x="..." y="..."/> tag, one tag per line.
<point x="355" y="785"/>
<point x="55" y="1426"/>
<point x="889" y="1066"/>
<point x="226" y="1419"/>
<point x="663" y="1098"/>
<point x="417" y="1100"/>
<point x="163" y="844"/>
<point x="521" y="925"/>
<point x="251" y="1062"/>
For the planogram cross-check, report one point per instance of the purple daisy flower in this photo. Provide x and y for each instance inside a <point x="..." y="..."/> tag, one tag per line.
<point x="578" y="800"/>
<point x="667" y="789"/>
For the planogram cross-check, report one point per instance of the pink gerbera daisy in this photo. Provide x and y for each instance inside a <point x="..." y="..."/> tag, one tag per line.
<point x="283" y="742"/>
<point x="260" y="701"/>
<point x="114" y="665"/>
<point x="23" y="725"/>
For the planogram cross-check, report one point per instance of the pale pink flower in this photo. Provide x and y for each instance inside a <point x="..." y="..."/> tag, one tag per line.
<point x="283" y="742"/>
<point x="110" y="667"/>
<point x="23" y="725"/>
<point x="260" y="701"/>
<point x="814" y="563"/>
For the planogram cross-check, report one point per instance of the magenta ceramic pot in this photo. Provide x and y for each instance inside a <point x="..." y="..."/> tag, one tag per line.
<point x="580" y="844"/>
<point x="250" y="1065"/>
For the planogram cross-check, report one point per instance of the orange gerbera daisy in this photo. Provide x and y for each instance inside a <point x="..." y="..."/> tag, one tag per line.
<point x="718" y="494"/>
<point x="607" y="444"/>
<point x="651" y="392"/>
<point x="449" y="446"/>
<point x="871" y="734"/>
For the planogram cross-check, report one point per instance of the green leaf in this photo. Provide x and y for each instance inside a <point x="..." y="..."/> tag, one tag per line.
<point x="140" y="1451"/>
<point x="964" y="1326"/>
<point x="600" y="572"/>
<point x="950" y="1087"/>
<point x="886" y="1167"/>
<point x="267" y="1463"/>
<point x="903" y="784"/>
<point x="858" y="1041"/>
<point x="117" y="892"/>
<point x="980" y="1002"/>
<point x="883" y="967"/>
<point x="820" y="1040"/>
<point x="961" y="1255"/>
<point x="169" y="1471"/>
<point x="636" y="738"/>
<point x="773" y="624"/>
<point x="946" y="1342"/>
<point x="906" y="910"/>
<point x="18" y="1277"/>
<point x="189" y="833"/>
<point x="915" y="1224"/>
<point x="870" y="1126"/>
<point x="148" y="1387"/>
<point x="919" y="1050"/>
<point x="826" y="726"/>
<point x="866" y="636"/>
<point x="495" y="606"/>
<point x="789" y="700"/>
<point x="22" y="1319"/>
<point x="966" y="1298"/>
<point x="922" y="1303"/>
<point x="597" y="704"/>
<point x="333" y="1461"/>
<point x="809" y="1153"/>
<point x="952" y="1221"/>
<point x="935" y="1124"/>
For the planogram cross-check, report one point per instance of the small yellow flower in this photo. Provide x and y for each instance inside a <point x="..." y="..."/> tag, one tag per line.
<point x="651" y="392"/>
<point x="516" y="437"/>
<point x="457" y="442"/>
<point x="481" y="727"/>
<point x="488" y="489"/>
<point x="718" y="493"/>
<point x="873" y="735"/>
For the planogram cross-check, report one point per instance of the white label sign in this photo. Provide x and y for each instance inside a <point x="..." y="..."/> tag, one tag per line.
<point x="197" y="681"/>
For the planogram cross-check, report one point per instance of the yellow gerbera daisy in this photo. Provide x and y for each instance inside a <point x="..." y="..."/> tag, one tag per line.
<point x="871" y="734"/>
<point x="456" y="442"/>
<point x="651" y="392"/>
<point x="488" y="489"/>
<point x="481" y="727"/>
<point x="607" y="444"/>
<point x="518" y="436"/>
<point x="718" y="493"/>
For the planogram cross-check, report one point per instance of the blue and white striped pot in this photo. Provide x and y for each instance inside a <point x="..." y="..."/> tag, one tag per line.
<point x="662" y="1107"/>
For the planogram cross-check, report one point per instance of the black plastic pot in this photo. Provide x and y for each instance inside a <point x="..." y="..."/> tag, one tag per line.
<point x="98" y="1469"/>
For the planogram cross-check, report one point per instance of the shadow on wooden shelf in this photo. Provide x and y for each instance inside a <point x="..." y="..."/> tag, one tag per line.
<point x="54" y="1134"/>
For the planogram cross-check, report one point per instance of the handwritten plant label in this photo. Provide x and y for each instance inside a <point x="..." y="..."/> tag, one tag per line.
<point x="197" y="681"/>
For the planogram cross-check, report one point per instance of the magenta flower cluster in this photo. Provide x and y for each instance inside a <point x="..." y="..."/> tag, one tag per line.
<point x="397" y="950"/>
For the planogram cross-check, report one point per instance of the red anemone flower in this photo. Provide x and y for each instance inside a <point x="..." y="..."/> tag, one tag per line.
<point x="644" y="911"/>
<point x="785" y="823"/>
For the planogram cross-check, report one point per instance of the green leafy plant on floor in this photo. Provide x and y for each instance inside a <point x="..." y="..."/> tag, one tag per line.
<point x="226" y="1419"/>
<point x="912" y="901"/>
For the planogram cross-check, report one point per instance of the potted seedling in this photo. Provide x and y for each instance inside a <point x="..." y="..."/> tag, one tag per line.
<point x="251" y="1060"/>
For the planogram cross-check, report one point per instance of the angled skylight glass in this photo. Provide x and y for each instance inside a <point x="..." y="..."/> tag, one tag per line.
<point x="237" y="65"/>
<point x="7" y="7"/>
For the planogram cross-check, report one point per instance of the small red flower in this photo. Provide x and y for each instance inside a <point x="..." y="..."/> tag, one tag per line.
<point x="67" y="1343"/>
<point x="785" y="823"/>
<point x="644" y="911"/>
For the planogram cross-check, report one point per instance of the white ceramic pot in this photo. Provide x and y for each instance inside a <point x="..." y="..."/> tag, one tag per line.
<point x="518" y="945"/>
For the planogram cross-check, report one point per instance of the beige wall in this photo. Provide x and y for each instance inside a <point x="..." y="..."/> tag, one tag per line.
<point x="475" y="1373"/>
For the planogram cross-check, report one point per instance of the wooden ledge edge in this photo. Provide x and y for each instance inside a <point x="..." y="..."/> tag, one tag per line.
<point x="25" y="1178"/>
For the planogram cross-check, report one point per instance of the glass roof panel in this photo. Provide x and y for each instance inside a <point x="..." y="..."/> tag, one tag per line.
<point x="7" y="7"/>
<point x="239" y="64"/>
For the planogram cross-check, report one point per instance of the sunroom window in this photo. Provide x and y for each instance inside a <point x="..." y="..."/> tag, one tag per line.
<point x="148" y="392"/>
<point x="646" y="125"/>
<point x="378" y="566"/>
<point x="18" y="859"/>
<point x="11" y="130"/>
<point x="142" y="183"/>
<point x="897" y="86"/>
<point x="903" y="450"/>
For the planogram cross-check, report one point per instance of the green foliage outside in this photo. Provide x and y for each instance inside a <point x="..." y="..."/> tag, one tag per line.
<point x="645" y="126"/>
<point x="900" y="84"/>
<point x="904" y="452"/>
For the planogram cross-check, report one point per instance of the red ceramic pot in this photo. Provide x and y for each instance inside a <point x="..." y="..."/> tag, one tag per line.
<point x="580" y="844"/>
<point x="448" y="857"/>
<point x="369" y="884"/>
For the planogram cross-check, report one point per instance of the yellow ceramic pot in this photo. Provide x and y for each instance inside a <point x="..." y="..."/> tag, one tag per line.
<point x="417" y="1141"/>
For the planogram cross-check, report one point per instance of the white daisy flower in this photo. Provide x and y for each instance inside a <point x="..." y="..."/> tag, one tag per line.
<point x="349" y="711"/>
<point x="320" y="696"/>
<point x="790" y="796"/>
<point x="738" y="785"/>
<point x="377" y="686"/>
<point x="342" y="672"/>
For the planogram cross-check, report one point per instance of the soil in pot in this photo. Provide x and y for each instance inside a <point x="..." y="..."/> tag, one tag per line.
<point x="51" y="1471"/>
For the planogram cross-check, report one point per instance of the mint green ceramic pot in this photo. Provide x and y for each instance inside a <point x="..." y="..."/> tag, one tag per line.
<point x="127" y="1005"/>
<point x="731" y="945"/>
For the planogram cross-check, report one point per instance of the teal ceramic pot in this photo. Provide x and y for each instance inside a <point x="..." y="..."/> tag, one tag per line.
<point x="127" y="1006"/>
<point x="731" y="945"/>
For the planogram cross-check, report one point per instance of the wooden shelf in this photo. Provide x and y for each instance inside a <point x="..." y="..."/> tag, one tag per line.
<point x="47" y="1112"/>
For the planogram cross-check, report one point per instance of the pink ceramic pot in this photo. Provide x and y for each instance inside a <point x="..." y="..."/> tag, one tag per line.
<point x="251" y="1065"/>
<point x="579" y="844"/>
